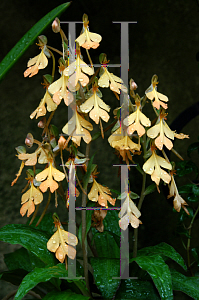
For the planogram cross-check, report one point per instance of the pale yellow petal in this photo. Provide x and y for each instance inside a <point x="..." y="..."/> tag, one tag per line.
<point x="150" y="95"/>
<point x="104" y="80"/>
<point x="69" y="238"/>
<point x="168" y="132"/>
<point x="33" y="61"/>
<point x="165" y="176"/>
<point x="162" y="97"/>
<point x="56" y="86"/>
<point x="53" y="242"/>
<point x="85" y="68"/>
<point x="104" y="115"/>
<point x="144" y="120"/>
<point x="42" y="175"/>
<point x="95" y="37"/>
<point x="87" y="105"/>
<point x="134" y="221"/>
<point x="93" y="195"/>
<point x="70" y="69"/>
<point x="38" y="196"/>
<point x="134" y="209"/>
<point x="51" y="106"/>
<point x="130" y="119"/>
<point x="43" y="61"/>
<point x="58" y="176"/>
<point x="42" y="158"/>
<point x="149" y="165"/>
<point x="124" y="222"/>
<point x="153" y="131"/>
<point x="85" y="123"/>
<point x="155" y="176"/>
<point x="25" y="197"/>
<point x="60" y="254"/>
<point x="163" y="163"/>
<point x="81" y="39"/>
<point x="31" y="158"/>
<point x="102" y="104"/>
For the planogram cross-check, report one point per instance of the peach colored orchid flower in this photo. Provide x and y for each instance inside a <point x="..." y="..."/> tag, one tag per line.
<point x="97" y="108"/>
<point x="59" y="90"/>
<point x="133" y="121"/>
<point x="41" y="110"/>
<point x="61" y="243"/>
<point x="31" y="158"/>
<point x="116" y="83"/>
<point x="38" y="62"/>
<point x="75" y="129"/>
<point x="103" y="196"/>
<point x="152" y="93"/>
<point x="178" y="201"/>
<point x="88" y="39"/>
<point x="77" y="68"/>
<point x="129" y="213"/>
<point x="164" y="132"/>
<point x="123" y="142"/>
<point x="49" y="173"/>
<point x="31" y="198"/>
<point x="153" y="167"/>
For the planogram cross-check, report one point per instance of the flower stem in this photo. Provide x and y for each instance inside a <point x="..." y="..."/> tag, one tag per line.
<point x="45" y="209"/>
<point x="189" y="242"/>
<point x="84" y="244"/>
<point x="140" y="201"/>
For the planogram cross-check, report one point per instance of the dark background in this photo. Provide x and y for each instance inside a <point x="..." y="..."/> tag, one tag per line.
<point x="164" y="41"/>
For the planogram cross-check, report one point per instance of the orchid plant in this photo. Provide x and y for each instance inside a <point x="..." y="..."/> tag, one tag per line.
<point x="49" y="171"/>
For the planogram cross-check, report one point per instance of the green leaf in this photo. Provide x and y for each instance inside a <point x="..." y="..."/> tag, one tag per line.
<point x="32" y="239"/>
<point x="46" y="224"/>
<point x="136" y="289"/>
<point x="15" y="276"/>
<point x="111" y="222"/>
<point x="150" y="189"/>
<point x="185" y="189"/>
<point x="165" y="250"/>
<point x="195" y="253"/>
<point x="104" y="271"/>
<point x="67" y="295"/>
<point x="192" y="147"/>
<point x="106" y="244"/>
<point x="159" y="272"/>
<point x="192" y="198"/>
<point x="54" y="130"/>
<point x="187" y="285"/>
<point x="28" y="39"/>
<point x="41" y="275"/>
<point x="186" y="167"/>
<point x="88" y="173"/>
<point x="22" y="259"/>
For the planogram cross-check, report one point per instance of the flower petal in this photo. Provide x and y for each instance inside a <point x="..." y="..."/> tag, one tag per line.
<point x="153" y="131"/>
<point x="42" y="175"/>
<point x="58" y="176"/>
<point x="53" y="242"/>
<point x="69" y="238"/>
<point x="149" y="165"/>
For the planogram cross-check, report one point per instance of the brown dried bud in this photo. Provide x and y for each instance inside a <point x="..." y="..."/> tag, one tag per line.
<point x="97" y="218"/>
<point x="62" y="142"/>
<point x="29" y="140"/>
<point x="42" y="40"/>
<point x="56" y="25"/>
<point x="42" y="123"/>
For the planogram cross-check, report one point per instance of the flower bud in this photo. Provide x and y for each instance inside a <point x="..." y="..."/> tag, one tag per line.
<point x="29" y="140"/>
<point x="42" y="123"/>
<point x="62" y="142"/>
<point x="133" y="85"/>
<point x="56" y="25"/>
<point x="42" y="40"/>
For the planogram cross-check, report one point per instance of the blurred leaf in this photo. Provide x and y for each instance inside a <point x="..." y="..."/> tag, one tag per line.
<point x="15" y="276"/>
<point x="192" y="198"/>
<point x="136" y="290"/>
<point x="185" y="189"/>
<point x="67" y="295"/>
<point x="186" y="167"/>
<point x="134" y="195"/>
<point x="192" y="147"/>
<point x="28" y="39"/>
<point x="187" y="285"/>
<point x="104" y="271"/>
<point x="159" y="272"/>
<point x="150" y="189"/>
<point x="32" y="239"/>
<point x="41" y="275"/>
<point x="22" y="259"/>
<point x="182" y="231"/>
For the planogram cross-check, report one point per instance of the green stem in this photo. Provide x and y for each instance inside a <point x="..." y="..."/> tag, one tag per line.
<point x="189" y="242"/>
<point x="140" y="201"/>
<point x="45" y="209"/>
<point x="84" y="244"/>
